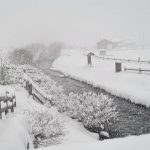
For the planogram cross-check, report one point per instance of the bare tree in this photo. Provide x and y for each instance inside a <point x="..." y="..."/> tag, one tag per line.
<point x="21" y="56"/>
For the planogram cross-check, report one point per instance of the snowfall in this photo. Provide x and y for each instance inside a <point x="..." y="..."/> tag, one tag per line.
<point x="131" y="85"/>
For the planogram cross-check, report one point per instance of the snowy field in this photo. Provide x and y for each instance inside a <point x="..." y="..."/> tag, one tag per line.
<point x="128" y="54"/>
<point x="129" y="84"/>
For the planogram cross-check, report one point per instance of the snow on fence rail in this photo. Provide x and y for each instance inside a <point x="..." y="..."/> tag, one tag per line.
<point x="123" y="60"/>
<point x="6" y="103"/>
<point x="137" y="69"/>
<point x="35" y="91"/>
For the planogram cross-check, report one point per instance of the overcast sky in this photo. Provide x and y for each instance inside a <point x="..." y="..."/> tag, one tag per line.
<point x="75" y="22"/>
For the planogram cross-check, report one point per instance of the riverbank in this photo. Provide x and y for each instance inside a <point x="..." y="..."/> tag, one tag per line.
<point x="129" y="85"/>
<point x="133" y="119"/>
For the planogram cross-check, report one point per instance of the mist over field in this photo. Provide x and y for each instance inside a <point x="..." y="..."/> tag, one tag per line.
<point x="79" y="23"/>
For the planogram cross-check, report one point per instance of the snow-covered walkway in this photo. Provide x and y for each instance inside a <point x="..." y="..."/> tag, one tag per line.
<point x="129" y="143"/>
<point x="77" y="133"/>
<point x="14" y="130"/>
<point x="13" y="134"/>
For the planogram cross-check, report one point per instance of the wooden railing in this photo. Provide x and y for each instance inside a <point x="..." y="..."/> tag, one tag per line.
<point x="123" y="60"/>
<point x="137" y="69"/>
<point x="35" y="91"/>
<point x="6" y="103"/>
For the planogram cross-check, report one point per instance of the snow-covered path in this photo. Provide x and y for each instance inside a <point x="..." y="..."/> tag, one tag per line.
<point x="77" y="133"/>
<point x="129" y="143"/>
<point x="75" y="130"/>
<point x="14" y="129"/>
<point x="13" y="134"/>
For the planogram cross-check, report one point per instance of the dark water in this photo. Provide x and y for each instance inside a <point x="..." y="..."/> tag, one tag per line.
<point x="133" y="119"/>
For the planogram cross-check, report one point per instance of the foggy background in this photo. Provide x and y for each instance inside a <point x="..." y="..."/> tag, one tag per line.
<point x="75" y="22"/>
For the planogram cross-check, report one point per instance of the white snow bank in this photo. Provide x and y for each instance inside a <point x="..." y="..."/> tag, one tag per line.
<point x="129" y="85"/>
<point x="129" y="143"/>
<point x="77" y="133"/>
<point x="13" y="135"/>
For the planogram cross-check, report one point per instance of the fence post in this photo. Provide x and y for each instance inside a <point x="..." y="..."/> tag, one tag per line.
<point x="6" y="101"/>
<point x="15" y="101"/>
<point x="30" y="89"/>
<point x="27" y="85"/>
<point x="138" y="59"/>
<point x="89" y="60"/>
<point x="6" y="111"/>
<point x="124" y="68"/>
<point x="12" y="107"/>
<point x="35" y="144"/>
<point x="118" y="66"/>
<point x="0" y="111"/>
<point x="28" y="145"/>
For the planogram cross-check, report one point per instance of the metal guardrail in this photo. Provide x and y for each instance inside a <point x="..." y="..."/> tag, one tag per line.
<point x="10" y="103"/>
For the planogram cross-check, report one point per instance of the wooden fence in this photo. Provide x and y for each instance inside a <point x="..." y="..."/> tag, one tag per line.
<point x="123" y="60"/>
<point x="137" y="69"/>
<point x="7" y="103"/>
<point x="35" y="91"/>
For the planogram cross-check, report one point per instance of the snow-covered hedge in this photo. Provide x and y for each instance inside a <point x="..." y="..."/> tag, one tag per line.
<point x="90" y="108"/>
<point x="4" y="77"/>
<point x="46" y="128"/>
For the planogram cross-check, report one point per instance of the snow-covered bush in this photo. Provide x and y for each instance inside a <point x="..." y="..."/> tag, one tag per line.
<point x="96" y="110"/>
<point x="20" y="56"/>
<point x="4" y="76"/>
<point x="92" y="109"/>
<point x="4" y="57"/>
<point x="47" y="129"/>
<point x="74" y="105"/>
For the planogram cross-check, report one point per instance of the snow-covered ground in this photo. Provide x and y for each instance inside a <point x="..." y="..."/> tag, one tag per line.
<point x="129" y="85"/>
<point x="77" y="133"/>
<point x="129" y="54"/>
<point x="15" y="130"/>
<point x="13" y="127"/>
<point x="129" y="143"/>
<point x="14" y="136"/>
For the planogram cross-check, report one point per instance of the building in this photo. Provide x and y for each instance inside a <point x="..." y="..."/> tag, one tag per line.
<point x="106" y="44"/>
